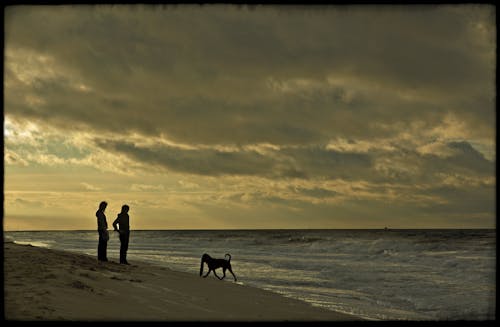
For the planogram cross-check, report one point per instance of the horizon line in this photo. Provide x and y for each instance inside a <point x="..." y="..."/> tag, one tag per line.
<point x="259" y="229"/>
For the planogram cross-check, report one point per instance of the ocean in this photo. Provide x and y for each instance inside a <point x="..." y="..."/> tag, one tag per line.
<point x="373" y="274"/>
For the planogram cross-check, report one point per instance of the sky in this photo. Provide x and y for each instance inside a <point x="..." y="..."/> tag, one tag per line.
<point x="249" y="117"/>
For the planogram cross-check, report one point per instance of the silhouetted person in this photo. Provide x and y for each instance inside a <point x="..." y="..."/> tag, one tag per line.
<point x="123" y="221"/>
<point x="102" y="229"/>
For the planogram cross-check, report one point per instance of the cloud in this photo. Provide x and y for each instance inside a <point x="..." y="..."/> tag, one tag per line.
<point x="188" y="185"/>
<point x="90" y="187"/>
<point x="243" y="74"/>
<point x="28" y="203"/>
<point x="440" y="149"/>
<point x="286" y="162"/>
<point x="146" y="188"/>
<point x="12" y="158"/>
<point x="464" y="200"/>
<point x="312" y="162"/>
<point x="333" y="106"/>
<point x="465" y="160"/>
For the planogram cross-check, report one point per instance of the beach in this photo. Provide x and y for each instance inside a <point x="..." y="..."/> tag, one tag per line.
<point x="48" y="284"/>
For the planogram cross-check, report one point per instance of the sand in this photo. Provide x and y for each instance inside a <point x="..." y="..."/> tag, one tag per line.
<point x="46" y="284"/>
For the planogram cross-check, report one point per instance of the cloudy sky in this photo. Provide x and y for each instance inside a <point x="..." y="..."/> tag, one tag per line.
<point x="220" y="116"/>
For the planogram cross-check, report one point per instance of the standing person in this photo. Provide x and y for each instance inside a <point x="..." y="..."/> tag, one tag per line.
<point x="123" y="221"/>
<point x="102" y="229"/>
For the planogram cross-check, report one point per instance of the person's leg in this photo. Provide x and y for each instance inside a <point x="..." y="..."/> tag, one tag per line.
<point x="126" y="237"/>
<point x="105" y="251"/>
<point x="122" y="247"/>
<point x="100" y="247"/>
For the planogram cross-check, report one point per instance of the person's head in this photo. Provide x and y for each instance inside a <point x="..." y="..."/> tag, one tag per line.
<point x="125" y="208"/>
<point x="103" y="205"/>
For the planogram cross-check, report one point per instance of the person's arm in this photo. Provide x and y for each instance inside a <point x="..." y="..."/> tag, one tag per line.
<point x="117" y="221"/>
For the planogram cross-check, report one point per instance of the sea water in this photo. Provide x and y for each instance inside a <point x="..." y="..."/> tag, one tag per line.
<point x="373" y="274"/>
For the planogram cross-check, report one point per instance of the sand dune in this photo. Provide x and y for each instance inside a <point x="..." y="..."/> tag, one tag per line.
<point x="44" y="284"/>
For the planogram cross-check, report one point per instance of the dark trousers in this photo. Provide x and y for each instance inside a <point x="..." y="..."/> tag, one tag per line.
<point x="124" y="237"/>
<point x="102" y="247"/>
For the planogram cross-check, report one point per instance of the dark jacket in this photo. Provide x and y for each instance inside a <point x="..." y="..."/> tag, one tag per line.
<point x="102" y="224"/>
<point x="122" y="221"/>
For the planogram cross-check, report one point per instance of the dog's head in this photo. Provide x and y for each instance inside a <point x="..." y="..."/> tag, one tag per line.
<point x="204" y="258"/>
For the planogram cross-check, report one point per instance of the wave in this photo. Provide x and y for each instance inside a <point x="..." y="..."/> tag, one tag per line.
<point x="35" y="243"/>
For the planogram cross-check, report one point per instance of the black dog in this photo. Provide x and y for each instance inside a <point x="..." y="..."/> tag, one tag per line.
<point x="216" y="263"/>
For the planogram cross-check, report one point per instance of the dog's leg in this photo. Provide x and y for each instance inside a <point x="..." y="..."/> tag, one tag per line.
<point x="216" y="275"/>
<point x="224" y="272"/>
<point x="231" y="271"/>
<point x="209" y="270"/>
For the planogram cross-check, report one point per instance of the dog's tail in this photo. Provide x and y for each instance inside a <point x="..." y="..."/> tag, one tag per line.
<point x="228" y="255"/>
<point x="202" y="261"/>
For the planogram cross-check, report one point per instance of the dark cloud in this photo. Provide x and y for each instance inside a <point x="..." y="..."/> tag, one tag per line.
<point x="298" y="162"/>
<point x="202" y="162"/>
<point x="316" y="192"/>
<point x="466" y="160"/>
<point x="466" y="201"/>
<point x="319" y="162"/>
<point x="312" y="162"/>
<point x="198" y="74"/>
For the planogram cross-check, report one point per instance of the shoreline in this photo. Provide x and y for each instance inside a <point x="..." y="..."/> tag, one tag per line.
<point x="48" y="284"/>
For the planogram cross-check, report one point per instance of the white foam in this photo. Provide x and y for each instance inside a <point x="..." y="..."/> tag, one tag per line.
<point x="33" y="243"/>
